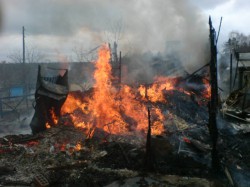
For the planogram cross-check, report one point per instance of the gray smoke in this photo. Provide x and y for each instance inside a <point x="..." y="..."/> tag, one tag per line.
<point x="209" y="4"/>
<point x="137" y="26"/>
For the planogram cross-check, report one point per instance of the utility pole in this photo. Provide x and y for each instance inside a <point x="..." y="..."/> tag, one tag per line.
<point x="23" y="46"/>
<point x="24" y="71"/>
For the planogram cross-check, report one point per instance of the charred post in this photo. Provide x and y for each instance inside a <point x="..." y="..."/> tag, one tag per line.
<point x="120" y="68"/>
<point x="245" y="94"/>
<point x="149" y="161"/>
<point x="214" y="97"/>
<point x="231" y="72"/>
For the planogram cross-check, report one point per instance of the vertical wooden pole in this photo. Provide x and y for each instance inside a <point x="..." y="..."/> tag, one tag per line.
<point x="25" y="86"/>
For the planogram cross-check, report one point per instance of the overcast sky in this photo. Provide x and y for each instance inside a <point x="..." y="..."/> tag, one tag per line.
<point x="55" y="27"/>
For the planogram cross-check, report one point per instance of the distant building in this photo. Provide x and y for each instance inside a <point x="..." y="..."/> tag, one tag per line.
<point x="238" y="102"/>
<point x="242" y="55"/>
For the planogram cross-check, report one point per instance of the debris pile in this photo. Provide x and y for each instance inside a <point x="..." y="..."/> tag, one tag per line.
<point x="148" y="135"/>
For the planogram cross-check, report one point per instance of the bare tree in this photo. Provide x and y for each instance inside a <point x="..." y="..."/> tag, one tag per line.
<point x="81" y="54"/>
<point x="78" y="52"/>
<point x="239" y="39"/>
<point x="114" y="32"/>
<point x="16" y="56"/>
<point x="33" y="55"/>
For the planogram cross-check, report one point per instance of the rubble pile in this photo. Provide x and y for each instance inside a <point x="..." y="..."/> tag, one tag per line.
<point x="64" y="154"/>
<point x="119" y="135"/>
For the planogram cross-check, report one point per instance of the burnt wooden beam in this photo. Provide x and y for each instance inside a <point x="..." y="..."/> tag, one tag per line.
<point x="149" y="159"/>
<point x="213" y="104"/>
<point x="192" y="74"/>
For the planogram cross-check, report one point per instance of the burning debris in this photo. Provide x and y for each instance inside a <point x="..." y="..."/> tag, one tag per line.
<point x="123" y="134"/>
<point x="122" y="110"/>
<point x="103" y="131"/>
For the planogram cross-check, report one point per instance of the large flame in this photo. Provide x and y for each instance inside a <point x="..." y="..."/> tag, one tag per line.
<point x="103" y="106"/>
<point x="114" y="110"/>
<point x="117" y="110"/>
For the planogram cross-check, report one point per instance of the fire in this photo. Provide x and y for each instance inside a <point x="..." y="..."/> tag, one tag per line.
<point x="103" y="105"/>
<point x="53" y="119"/>
<point x="114" y="110"/>
<point x="73" y="103"/>
<point x="207" y="91"/>
<point x="53" y="116"/>
<point x="157" y="128"/>
<point x="155" y="92"/>
<point x="118" y="110"/>
<point x="47" y="125"/>
<point x="78" y="147"/>
<point x="134" y="112"/>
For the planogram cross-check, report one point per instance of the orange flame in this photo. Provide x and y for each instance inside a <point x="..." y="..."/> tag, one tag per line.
<point x="207" y="92"/>
<point x="155" y="91"/>
<point x="53" y="120"/>
<point x="53" y="116"/>
<point x="47" y="125"/>
<point x="103" y="105"/>
<point x="116" y="111"/>
<point x="78" y="147"/>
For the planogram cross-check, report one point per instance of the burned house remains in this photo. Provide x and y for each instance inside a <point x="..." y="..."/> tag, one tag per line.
<point x="167" y="129"/>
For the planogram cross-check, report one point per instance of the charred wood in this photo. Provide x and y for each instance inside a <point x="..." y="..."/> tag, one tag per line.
<point x="213" y="104"/>
<point x="149" y="159"/>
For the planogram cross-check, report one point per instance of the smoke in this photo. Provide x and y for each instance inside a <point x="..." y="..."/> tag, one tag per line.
<point x="137" y="26"/>
<point x="209" y="4"/>
<point x="1" y="17"/>
<point x="143" y="29"/>
<point x="152" y="24"/>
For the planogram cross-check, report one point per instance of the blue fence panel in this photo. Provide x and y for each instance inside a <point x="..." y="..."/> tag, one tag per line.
<point x="16" y="91"/>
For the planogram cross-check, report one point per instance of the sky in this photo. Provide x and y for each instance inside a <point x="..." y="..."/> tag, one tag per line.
<point x="60" y="28"/>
